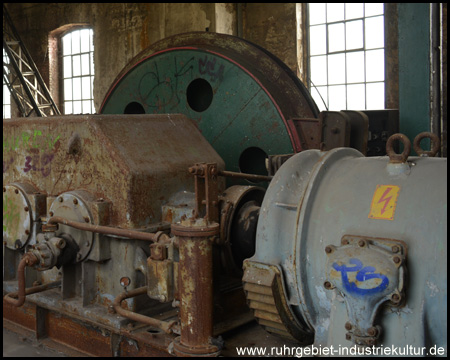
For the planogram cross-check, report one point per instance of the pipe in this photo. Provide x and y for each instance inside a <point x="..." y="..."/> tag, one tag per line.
<point x="195" y="275"/>
<point x="37" y="289"/>
<point x="107" y="230"/>
<point x="166" y="326"/>
<point x="27" y="260"/>
<point x="253" y="177"/>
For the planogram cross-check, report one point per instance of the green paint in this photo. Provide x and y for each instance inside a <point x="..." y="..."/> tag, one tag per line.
<point x="11" y="214"/>
<point x="414" y="69"/>
<point x="26" y="140"/>
<point x="241" y="114"/>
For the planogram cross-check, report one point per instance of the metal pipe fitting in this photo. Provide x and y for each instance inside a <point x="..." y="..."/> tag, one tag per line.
<point x="166" y="326"/>
<point x="27" y="260"/>
<point x="36" y="289"/>
<point x="107" y="230"/>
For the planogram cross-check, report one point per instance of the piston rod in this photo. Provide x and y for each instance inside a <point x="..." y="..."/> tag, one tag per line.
<point x="251" y="177"/>
<point x="107" y="230"/>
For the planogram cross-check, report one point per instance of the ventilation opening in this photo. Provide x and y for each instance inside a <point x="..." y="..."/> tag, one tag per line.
<point x="134" y="108"/>
<point x="253" y="161"/>
<point x="199" y="95"/>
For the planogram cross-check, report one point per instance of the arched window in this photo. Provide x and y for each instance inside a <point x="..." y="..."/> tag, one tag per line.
<point x="78" y="71"/>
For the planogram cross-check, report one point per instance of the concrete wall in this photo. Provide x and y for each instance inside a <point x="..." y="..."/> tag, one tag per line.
<point x="122" y="30"/>
<point x="273" y="27"/>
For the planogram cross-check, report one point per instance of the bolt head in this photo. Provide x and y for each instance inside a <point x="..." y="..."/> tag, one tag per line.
<point x="60" y="199"/>
<point x="373" y="331"/>
<point x="125" y="281"/>
<point x="395" y="298"/>
<point x="327" y="285"/>
<point x="348" y="326"/>
<point x="328" y="250"/>
<point x="395" y="249"/>
<point x="370" y="342"/>
<point x="348" y="337"/>
<point x="361" y="243"/>
<point x="75" y="201"/>
<point x="61" y="243"/>
<point x="397" y="260"/>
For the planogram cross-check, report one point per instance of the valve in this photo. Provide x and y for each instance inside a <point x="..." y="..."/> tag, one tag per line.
<point x="56" y="251"/>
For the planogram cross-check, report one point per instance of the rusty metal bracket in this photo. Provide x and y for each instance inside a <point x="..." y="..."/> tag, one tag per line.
<point x="367" y="272"/>
<point x="206" y="191"/>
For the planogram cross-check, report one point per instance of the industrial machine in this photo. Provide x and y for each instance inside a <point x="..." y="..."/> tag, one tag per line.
<point x="210" y="192"/>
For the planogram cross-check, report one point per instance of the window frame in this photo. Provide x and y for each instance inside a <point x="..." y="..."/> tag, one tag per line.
<point x="311" y="86"/>
<point x="61" y="56"/>
<point x="6" y="93"/>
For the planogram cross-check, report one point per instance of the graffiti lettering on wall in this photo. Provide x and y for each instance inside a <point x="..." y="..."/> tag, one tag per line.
<point x="35" y="162"/>
<point x="30" y="140"/>
<point x="7" y="163"/>
<point x="40" y="146"/>
<point x="363" y="274"/>
<point x="39" y="162"/>
<point x="11" y="214"/>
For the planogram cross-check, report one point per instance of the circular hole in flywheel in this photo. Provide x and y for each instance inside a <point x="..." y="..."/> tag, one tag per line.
<point x="253" y="161"/>
<point x="134" y="108"/>
<point x="199" y="95"/>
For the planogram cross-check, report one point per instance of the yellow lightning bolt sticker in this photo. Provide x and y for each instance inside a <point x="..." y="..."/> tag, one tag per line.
<point x="384" y="202"/>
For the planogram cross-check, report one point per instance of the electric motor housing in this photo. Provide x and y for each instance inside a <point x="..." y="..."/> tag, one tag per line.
<point x="353" y="250"/>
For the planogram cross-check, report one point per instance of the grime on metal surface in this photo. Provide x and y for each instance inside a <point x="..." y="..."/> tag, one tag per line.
<point x="209" y="193"/>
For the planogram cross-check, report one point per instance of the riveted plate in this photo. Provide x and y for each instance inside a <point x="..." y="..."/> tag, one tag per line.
<point x="71" y="206"/>
<point x="17" y="217"/>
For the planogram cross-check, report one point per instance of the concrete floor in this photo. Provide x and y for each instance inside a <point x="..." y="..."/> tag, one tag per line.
<point x="15" y="345"/>
<point x="22" y="344"/>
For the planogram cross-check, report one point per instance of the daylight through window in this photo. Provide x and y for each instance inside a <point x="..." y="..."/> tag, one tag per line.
<point x="78" y="72"/>
<point x="346" y="55"/>
<point x="6" y="94"/>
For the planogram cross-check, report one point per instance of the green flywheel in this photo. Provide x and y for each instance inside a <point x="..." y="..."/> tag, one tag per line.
<point x="241" y="96"/>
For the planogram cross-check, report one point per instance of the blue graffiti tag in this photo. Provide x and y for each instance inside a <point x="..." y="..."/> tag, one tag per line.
<point x="364" y="274"/>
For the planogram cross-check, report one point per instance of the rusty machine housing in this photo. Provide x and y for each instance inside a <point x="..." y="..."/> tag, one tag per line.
<point x="191" y="206"/>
